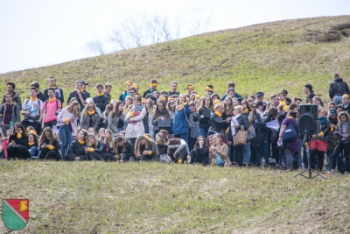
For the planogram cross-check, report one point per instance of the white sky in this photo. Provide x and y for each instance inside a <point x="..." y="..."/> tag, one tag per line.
<point x="37" y="33"/>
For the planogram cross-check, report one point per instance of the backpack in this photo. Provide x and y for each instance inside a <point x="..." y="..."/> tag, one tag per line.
<point x="289" y="134"/>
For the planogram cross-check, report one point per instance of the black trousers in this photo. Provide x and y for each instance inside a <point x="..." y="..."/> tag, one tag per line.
<point x="239" y="154"/>
<point x="18" y="151"/>
<point x="181" y="155"/>
<point x="338" y="149"/>
<point x="35" y="125"/>
<point x="50" y="124"/>
<point x="47" y="154"/>
<point x="94" y="156"/>
<point x="70" y="157"/>
<point x="316" y="159"/>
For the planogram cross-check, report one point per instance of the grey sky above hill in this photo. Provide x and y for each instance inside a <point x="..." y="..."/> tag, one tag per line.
<point x="39" y="33"/>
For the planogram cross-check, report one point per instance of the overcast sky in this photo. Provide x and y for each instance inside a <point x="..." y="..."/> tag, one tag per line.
<point x="38" y="33"/>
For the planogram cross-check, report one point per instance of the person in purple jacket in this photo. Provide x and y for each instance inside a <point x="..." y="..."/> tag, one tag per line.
<point x="290" y="149"/>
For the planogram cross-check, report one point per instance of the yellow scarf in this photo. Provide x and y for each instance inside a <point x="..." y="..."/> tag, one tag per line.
<point x="52" y="100"/>
<point x="55" y="87"/>
<point x="31" y="143"/>
<point x="33" y="99"/>
<point x="19" y="135"/>
<point x="91" y="112"/>
<point x="283" y="103"/>
<point x="82" y="90"/>
<point x="245" y="111"/>
<point x="100" y="94"/>
<point x="218" y="113"/>
<point x="180" y="107"/>
<point x="81" y="142"/>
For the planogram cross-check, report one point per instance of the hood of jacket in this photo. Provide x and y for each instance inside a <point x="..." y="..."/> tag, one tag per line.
<point x="338" y="79"/>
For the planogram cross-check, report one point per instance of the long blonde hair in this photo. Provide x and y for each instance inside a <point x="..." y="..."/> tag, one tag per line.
<point x="71" y="106"/>
<point x="43" y="137"/>
<point x="148" y="144"/>
<point x="110" y="139"/>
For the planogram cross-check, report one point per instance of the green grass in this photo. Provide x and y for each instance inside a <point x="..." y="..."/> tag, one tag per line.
<point x="97" y="197"/>
<point x="265" y="57"/>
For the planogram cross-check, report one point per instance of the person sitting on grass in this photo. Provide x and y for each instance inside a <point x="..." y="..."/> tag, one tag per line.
<point x="218" y="153"/>
<point x="101" y="134"/>
<point x="33" y="145"/>
<point x="145" y="149"/>
<point x="49" y="145"/>
<point x="76" y="151"/>
<point x="178" y="150"/>
<point x="109" y="140"/>
<point x="200" y="153"/>
<point x="17" y="146"/>
<point x="123" y="149"/>
<point x="97" y="150"/>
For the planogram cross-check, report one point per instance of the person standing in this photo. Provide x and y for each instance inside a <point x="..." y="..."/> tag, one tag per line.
<point x="40" y="95"/>
<point x="15" y="97"/>
<point x="58" y="91"/>
<point x="126" y="92"/>
<point x="180" y="127"/>
<point x="308" y="90"/>
<point x="9" y="113"/>
<point x="80" y="96"/>
<point x="346" y="103"/>
<point x="108" y="89"/>
<point x="50" y="109"/>
<point x="337" y="89"/>
<point x="173" y="91"/>
<point x="153" y="84"/>
<point x="100" y="100"/>
<point x="83" y="87"/>
<point x="32" y="109"/>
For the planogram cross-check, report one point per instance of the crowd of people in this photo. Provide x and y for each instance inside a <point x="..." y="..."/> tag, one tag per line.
<point x="169" y="126"/>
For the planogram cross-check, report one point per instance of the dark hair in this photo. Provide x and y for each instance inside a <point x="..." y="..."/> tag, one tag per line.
<point x="99" y="86"/>
<point x="336" y="75"/>
<point x="258" y="103"/>
<point x="132" y="89"/>
<point x="52" y="89"/>
<point x="345" y="114"/>
<point x="157" y="113"/>
<point x="9" y="94"/>
<point x="35" y="138"/>
<point x="19" y="125"/>
<point x="35" y="84"/>
<point x="293" y="106"/>
<point x="116" y="109"/>
<point x="12" y="84"/>
<point x="340" y="106"/>
<point x="32" y="88"/>
<point x="293" y="113"/>
<point x="272" y="112"/>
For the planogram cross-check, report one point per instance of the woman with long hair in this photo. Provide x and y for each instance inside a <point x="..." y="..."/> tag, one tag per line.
<point x="206" y="107"/>
<point x="318" y="142"/>
<point x="129" y="101"/>
<point x="242" y="124"/>
<point x="162" y="146"/>
<point x="96" y="150"/>
<point x="147" y="120"/>
<point x="171" y="106"/>
<point x="109" y="140"/>
<point x="218" y="152"/>
<point x="290" y="149"/>
<point x="180" y="127"/>
<point x="67" y="122"/>
<point x="343" y="127"/>
<point x="178" y="150"/>
<point x="76" y="151"/>
<point x="17" y="146"/>
<point x="161" y="113"/>
<point x="123" y="149"/>
<point x="90" y="117"/>
<point x="145" y="149"/>
<point x="116" y="119"/>
<point x="49" y="145"/>
<point x="227" y="115"/>
<point x="135" y="120"/>
<point x="200" y="153"/>
<point x="101" y="134"/>
<point x="33" y="145"/>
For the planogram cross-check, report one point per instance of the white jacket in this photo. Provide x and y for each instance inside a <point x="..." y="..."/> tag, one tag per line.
<point x="134" y="130"/>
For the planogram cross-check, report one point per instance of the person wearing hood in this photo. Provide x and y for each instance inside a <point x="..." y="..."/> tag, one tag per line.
<point x="337" y="89"/>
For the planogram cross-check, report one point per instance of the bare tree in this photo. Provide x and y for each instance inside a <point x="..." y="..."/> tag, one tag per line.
<point x="201" y="19"/>
<point x="95" y="47"/>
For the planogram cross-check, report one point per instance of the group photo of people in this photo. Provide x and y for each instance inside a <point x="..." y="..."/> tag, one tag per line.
<point x="145" y="124"/>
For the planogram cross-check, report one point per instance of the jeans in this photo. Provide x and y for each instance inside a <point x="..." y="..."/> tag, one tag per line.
<point x="203" y="132"/>
<point x="246" y="153"/>
<point x="337" y="100"/>
<point x="34" y="151"/>
<point x="262" y="150"/>
<point x="183" y="136"/>
<point x="5" y="127"/>
<point x="66" y="138"/>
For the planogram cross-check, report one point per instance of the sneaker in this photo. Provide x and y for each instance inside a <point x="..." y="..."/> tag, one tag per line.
<point x="346" y="173"/>
<point x="332" y="171"/>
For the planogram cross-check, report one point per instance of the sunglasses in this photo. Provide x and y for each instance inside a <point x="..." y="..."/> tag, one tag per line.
<point x="90" y="107"/>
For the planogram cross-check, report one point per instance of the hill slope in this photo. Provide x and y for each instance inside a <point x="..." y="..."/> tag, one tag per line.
<point x="268" y="57"/>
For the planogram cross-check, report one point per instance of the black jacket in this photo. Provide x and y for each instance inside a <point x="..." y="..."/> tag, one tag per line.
<point x="162" y="149"/>
<point x="76" y="149"/>
<point x="55" y="145"/>
<point x="338" y="87"/>
<point x="58" y="93"/>
<point x="100" y="147"/>
<point x="74" y="94"/>
<point x="129" y="149"/>
<point x="19" y="141"/>
<point x="41" y="96"/>
<point x="347" y="109"/>
<point x="205" y="121"/>
<point x="148" y="91"/>
<point x="216" y="123"/>
<point x="200" y="155"/>
<point x="325" y="128"/>
<point x="101" y="102"/>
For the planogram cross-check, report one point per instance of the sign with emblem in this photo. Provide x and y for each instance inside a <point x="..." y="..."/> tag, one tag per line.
<point x="15" y="213"/>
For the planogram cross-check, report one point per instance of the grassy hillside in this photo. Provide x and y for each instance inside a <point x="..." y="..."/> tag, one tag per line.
<point x="95" y="197"/>
<point x="268" y="57"/>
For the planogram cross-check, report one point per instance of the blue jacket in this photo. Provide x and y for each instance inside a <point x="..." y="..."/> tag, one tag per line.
<point x="180" y="125"/>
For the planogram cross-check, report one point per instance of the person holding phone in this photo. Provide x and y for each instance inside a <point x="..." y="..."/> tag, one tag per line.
<point x="17" y="147"/>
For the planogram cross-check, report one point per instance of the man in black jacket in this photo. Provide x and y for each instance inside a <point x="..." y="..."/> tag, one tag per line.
<point x="15" y="96"/>
<point x="80" y="96"/>
<point x="337" y="89"/>
<point x="101" y="100"/>
<point x="58" y="91"/>
<point x="154" y="84"/>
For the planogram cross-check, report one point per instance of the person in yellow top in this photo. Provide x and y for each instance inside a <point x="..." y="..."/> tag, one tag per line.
<point x="49" y="146"/>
